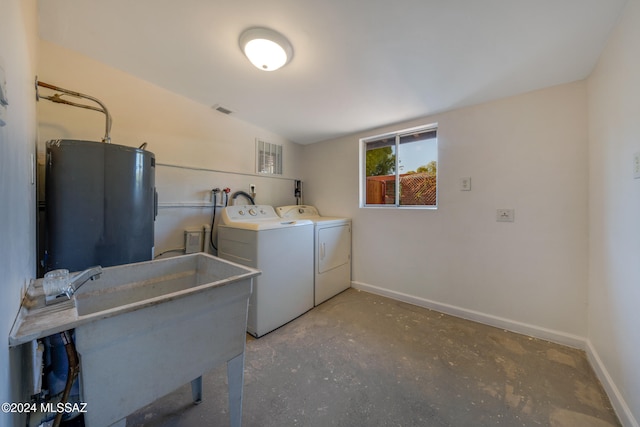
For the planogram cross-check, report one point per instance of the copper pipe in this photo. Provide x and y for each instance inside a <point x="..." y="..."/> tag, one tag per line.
<point x="57" y="98"/>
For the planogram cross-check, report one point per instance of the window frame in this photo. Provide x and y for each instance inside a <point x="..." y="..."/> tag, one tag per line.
<point x="397" y="135"/>
<point x="269" y="158"/>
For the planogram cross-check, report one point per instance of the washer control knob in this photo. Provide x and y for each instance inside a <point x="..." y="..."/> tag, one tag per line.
<point x="240" y="212"/>
<point x="253" y="212"/>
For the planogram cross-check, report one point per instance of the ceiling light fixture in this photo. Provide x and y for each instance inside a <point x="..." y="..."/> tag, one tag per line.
<point x="265" y="48"/>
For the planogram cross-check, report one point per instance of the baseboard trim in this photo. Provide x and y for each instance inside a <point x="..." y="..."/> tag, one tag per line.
<point x="563" y="338"/>
<point x="619" y="404"/>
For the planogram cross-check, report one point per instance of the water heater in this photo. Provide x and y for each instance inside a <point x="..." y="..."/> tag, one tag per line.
<point x="100" y="204"/>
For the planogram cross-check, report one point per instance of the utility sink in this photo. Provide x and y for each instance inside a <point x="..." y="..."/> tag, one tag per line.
<point x="143" y="330"/>
<point x="151" y="282"/>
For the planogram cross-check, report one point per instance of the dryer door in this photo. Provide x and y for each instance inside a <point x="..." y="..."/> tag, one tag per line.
<point x="334" y="247"/>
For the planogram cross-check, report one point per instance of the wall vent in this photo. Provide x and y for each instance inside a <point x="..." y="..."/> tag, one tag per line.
<point x="223" y="110"/>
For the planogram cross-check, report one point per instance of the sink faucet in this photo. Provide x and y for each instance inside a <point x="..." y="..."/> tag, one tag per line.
<point x="81" y="278"/>
<point x="78" y="280"/>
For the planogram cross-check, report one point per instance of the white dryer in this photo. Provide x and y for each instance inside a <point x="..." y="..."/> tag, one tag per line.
<point x="255" y="236"/>
<point x="332" y="248"/>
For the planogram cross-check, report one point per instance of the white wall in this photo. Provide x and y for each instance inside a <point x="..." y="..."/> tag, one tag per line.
<point x="218" y="150"/>
<point x="614" y="214"/>
<point x="527" y="152"/>
<point x="18" y="51"/>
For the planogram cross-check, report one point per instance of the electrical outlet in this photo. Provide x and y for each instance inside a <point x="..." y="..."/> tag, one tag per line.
<point x="465" y="183"/>
<point x="505" y="215"/>
<point x="636" y="165"/>
<point x="252" y="188"/>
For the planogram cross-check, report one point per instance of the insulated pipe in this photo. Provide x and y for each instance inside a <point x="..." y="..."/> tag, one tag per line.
<point x="57" y="98"/>
<point x="207" y="236"/>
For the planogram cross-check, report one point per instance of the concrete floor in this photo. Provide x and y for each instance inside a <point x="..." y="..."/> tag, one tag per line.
<point x="364" y="360"/>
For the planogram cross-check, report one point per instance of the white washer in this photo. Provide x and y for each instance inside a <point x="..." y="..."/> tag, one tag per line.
<point x="255" y="236"/>
<point x="332" y="265"/>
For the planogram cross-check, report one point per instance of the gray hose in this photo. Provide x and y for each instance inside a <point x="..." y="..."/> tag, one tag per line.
<point x="242" y="193"/>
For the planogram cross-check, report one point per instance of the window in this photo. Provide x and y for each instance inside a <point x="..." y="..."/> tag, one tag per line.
<point x="400" y="169"/>
<point x="268" y="158"/>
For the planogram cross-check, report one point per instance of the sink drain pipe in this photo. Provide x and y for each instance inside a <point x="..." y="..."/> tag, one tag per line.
<point x="74" y="368"/>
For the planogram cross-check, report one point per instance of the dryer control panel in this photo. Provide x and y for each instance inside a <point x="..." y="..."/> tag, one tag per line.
<point x="297" y="211"/>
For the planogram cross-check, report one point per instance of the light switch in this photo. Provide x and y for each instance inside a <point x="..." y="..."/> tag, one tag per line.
<point x="636" y="165"/>
<point x="505" y="215"/>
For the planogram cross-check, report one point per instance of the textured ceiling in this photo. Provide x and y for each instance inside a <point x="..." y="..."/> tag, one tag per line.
<point x="358" y="64"/>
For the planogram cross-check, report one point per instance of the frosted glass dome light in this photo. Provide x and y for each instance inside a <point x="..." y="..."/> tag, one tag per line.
<point x="266" y="49"/>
